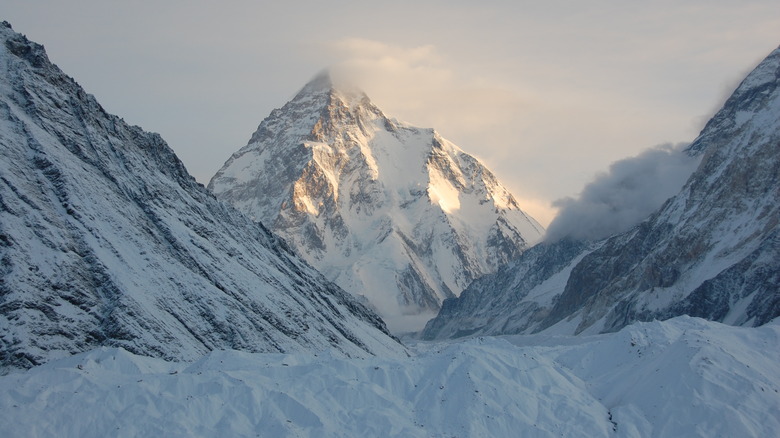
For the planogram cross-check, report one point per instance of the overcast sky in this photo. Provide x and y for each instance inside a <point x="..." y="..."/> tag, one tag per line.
<point x="546" y="93"/>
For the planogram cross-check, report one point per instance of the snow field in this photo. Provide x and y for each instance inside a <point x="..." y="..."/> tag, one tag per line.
<point x="684" y="377"/>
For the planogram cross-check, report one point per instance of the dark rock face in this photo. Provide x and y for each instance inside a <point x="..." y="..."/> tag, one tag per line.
<point x="711" y="251"/>
<point x="105" y="239"/>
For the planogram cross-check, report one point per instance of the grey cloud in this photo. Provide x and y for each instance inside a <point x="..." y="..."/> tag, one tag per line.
<point x="623" y="196"/>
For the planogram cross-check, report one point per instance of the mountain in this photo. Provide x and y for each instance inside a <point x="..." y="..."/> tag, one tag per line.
<point x="712" y="250"/>
<point x="106" y="240"/>
<point x="386" y="210"/>
<point x="513" y="300"/>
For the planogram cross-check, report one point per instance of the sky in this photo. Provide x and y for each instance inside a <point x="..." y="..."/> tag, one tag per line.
<point x="547" y="94"/>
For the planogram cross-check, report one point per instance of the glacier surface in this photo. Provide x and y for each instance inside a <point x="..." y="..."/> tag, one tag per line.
<point x="681" y="377"/>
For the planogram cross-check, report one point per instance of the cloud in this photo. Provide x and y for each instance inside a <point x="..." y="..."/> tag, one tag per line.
<point x="382" y="68"/>
<point x="353" y="49"/>
<point x="620" y="198"/>
<point x="423" y="86"/>
<point x="426" y="87"/>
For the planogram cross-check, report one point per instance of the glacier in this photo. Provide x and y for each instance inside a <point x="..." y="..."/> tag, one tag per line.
<point x="133" y="303"/>
<point x="682" y="377"/>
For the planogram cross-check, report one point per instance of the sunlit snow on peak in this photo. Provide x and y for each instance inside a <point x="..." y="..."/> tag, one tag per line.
<point x="442" y="192"/>
<point x="385" y="209"/>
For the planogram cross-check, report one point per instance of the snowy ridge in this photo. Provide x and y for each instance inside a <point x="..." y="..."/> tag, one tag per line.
<point x="388" y="211"/>
<point x="711" y="251"/>
<point x="105" y="239"/>
<point x="514" y="299"/>
<point x="682" y="377"/>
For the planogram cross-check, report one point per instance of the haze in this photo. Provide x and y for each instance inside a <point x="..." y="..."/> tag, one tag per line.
<point x="547" y="94"/>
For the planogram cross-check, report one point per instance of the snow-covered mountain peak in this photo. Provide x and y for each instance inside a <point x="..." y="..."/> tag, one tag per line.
<point x="387" y="210"/>
<point x="19" y="45"/>
<point x="321" y="83"/>
<point x="754" y="102"/>
<point x="338" y="89"/>
<point x="764" y="75"/>
<point x="106" y="240"/>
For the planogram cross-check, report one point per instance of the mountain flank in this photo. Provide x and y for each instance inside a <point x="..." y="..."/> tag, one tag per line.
<point x="106" y="240"/>
<point x="712" y="250"/>
<point x="390" y="212"/>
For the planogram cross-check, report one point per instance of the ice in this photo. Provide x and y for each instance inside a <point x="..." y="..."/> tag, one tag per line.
<point x="682" y="377"/>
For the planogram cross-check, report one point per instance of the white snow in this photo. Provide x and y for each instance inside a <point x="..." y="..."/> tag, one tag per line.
<point x="684" y="377"/>
<point x="113" y="243"/>
<point x="386" y="210"/>
<point x="442" y="192"/>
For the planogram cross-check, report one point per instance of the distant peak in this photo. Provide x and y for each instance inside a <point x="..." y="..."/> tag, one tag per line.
<point x="322" y="82"/>
<point x="328" y="81"/>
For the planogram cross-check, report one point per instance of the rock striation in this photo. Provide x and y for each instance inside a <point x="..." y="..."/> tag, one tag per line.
<point x="388" y="211"/>
<point x="711" y="251"/>
<point x="106" y="240"/>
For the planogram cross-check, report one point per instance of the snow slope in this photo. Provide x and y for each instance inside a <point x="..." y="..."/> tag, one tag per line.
<point x="388" y="211"/>
<point x="712" y="250"/>
<point x="105" y="239"/>
<point x="682" y="377"/>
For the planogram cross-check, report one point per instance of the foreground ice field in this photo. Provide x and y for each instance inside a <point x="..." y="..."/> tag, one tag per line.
<point x="683" y="377"/>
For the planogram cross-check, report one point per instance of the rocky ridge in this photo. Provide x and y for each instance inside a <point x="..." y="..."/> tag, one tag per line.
<point x="386" y="210"/>
<point x="710" y="251"/>
<point x="106" y="240"/>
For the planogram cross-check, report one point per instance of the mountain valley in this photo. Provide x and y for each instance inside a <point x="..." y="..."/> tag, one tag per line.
<point x="134" y="301"/>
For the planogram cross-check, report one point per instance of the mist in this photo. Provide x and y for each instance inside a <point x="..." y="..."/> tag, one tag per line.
<point x="631" y="190"/>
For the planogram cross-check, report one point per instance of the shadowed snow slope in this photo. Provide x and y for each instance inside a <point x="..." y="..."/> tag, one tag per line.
<point x="392" y="212"/>
<point x="685" y="377"/>
<point x="105" y="239"/>
<point x="712" y="250"/>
